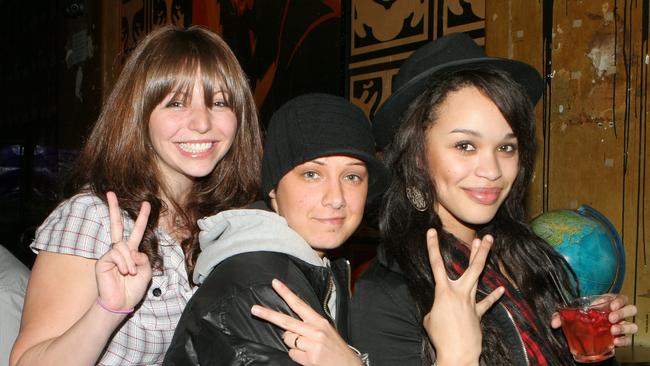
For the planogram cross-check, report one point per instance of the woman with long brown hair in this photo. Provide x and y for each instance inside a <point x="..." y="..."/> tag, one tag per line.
<point x="178" y="139"/>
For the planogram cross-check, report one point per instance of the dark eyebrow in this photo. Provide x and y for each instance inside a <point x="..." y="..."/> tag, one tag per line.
<point x="466" y="131"/>
<point x="477" y="134"/>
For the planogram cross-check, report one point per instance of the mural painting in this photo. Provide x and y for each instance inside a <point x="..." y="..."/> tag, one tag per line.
<point x="384" y="33"/>
<point x="287" y="48"/>
<point x="139" y="17"/>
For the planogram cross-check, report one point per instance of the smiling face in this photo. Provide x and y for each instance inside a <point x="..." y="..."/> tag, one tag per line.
<point x="323" y="199"/>
<point x="190" y="137"/>
<point x="473" y="160"/>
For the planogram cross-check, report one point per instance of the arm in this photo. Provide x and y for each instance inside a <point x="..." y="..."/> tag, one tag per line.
<point x="311" y="340"/>
<point x="62" y="322"/>
<point x="13" y="283"/>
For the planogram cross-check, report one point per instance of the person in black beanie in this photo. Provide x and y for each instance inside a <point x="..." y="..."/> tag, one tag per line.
<point x="319" y="172"/>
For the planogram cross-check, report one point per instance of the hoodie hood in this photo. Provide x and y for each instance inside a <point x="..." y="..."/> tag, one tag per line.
<point x="234" y="232"/>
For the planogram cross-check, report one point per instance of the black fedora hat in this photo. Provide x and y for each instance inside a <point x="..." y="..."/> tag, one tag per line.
<point x="452" y="52"/>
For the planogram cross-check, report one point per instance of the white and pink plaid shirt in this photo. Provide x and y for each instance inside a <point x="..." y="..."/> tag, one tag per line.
<point x="80" y="226"/>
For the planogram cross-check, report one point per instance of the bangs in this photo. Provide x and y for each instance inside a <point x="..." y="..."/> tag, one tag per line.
<point x="181" y="78"/>
<point x="178" y="65"/>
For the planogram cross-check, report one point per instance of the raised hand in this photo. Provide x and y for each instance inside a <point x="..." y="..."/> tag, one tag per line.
<point x="453" y="324"/>
<point x="621" y="329"/>
<point x="123" y="273"/>
<point x="312" y="340"/>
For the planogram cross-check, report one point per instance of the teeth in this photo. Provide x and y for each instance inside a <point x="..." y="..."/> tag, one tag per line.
<point x="195" y="148"/>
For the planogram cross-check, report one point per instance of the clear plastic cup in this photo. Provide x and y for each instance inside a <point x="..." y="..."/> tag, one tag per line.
<point x="586" y="326"/>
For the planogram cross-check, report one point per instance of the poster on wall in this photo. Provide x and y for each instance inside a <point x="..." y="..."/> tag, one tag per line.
<point x="286" y="48"/>
<point x="383" y="34"/>
<point x="139" y="17"/>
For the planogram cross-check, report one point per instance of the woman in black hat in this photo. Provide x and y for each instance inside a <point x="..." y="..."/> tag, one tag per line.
<point x="318" y="170"/>
<point x="460" y="133"/>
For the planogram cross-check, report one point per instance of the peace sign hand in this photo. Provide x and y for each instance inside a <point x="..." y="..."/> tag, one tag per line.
<point x="123" y="273"/>
<point x="453" y="324"/>
<point x="311" y="340"/>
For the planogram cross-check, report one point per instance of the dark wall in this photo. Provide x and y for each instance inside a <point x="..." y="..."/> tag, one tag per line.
<point x="50" y="77"/>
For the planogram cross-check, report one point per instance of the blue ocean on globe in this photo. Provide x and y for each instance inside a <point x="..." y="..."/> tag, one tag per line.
<point x="590" y="244"/>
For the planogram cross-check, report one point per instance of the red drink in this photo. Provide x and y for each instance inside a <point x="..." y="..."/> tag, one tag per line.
<point x="587" y="328"/>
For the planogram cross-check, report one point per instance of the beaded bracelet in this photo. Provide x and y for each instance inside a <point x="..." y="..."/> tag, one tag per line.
<point x="105" y="307"/>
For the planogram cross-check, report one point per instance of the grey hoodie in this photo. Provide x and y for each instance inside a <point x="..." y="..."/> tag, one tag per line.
<point x="235" y="232"/>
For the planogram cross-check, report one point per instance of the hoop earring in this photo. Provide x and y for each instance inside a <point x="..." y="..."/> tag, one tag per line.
<point x="416" y="197"/>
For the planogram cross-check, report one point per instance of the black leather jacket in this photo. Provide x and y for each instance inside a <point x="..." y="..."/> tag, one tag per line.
<point x="386" y="325"/>
<point x="385" y="322"/>
<point x="217" y="327"/>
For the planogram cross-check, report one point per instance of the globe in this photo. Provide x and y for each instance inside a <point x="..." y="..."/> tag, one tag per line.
<point x="589" y="243"/>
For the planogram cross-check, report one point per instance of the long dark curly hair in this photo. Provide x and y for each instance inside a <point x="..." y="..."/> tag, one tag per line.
<point x="118" y="155"/>
<point x="525" y="257"/>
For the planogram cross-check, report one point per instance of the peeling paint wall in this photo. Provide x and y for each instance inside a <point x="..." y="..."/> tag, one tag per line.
<point x="592" y="121"/>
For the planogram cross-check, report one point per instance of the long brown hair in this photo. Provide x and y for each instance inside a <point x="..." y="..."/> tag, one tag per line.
<point x="118" y="156"/>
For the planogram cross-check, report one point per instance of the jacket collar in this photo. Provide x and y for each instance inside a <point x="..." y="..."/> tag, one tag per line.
<point x="240" y="231"/>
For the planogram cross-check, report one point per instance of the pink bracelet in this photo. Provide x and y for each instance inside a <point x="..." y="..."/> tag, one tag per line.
<point x="103" y="306"/>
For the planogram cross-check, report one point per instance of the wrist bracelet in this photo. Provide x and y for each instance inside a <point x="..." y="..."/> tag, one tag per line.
<point x="103" y="306"/>
<point x="364" y="357"/>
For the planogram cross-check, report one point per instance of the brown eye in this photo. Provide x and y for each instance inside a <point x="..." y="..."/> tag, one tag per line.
<point x="174" y="104"/>
<point x="508" y="148"/>
<point x="464" y="146"/>
<point x="221" y="103"/>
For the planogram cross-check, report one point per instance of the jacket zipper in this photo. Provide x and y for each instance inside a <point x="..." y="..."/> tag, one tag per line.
<point x="521" y="341"/>
<point x="512" y="320"/>
<point x="328" y="294"/>
<point x="349" y="268"/>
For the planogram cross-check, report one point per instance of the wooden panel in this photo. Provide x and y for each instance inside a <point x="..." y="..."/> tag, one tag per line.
<point x="110" y="45"/>
<point x="593" y="118"/>
<point x="512" y="34"/>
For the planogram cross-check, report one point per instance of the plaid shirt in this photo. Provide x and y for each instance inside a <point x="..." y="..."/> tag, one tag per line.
<point x="81" y="226"/>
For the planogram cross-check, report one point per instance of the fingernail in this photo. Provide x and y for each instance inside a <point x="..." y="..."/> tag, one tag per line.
<point x="276" y="282"/>
<point x="431" y="233"/>
<point x="255" y="310"/>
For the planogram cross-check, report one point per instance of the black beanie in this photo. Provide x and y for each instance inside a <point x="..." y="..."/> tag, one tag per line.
<point x="315" y="125"/>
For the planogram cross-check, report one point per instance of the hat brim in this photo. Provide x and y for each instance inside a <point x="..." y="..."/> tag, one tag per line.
<point x="388" y="118"/>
